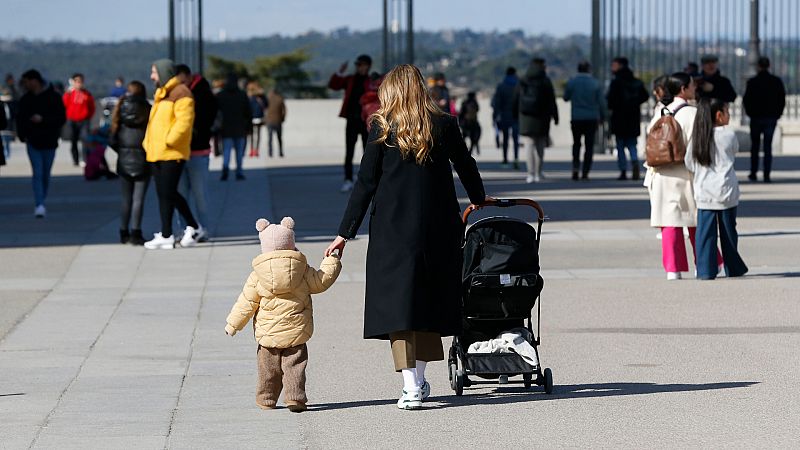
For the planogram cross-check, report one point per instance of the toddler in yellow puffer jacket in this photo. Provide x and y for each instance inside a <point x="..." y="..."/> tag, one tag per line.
<point x="278" y="292"/>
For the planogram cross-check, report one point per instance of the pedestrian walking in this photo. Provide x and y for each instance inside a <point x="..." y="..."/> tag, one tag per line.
<point x="39" y="120"/>
<point x="234" y="107"/>
<point x="440" y="93"/>
<point x="468" y="119"/>
<point x="586" y="95"/>
<point x="710" y="157"/>
<point x="128" y="127"/>
<point x="276" y="298"/>
<point x="276" y="115"/>
<point x="80" y="107"/>
<point x="258" y="106"/>
<point x="413" y="288"/>
<point x="167" y="144"/>
<point x="193" y="185"/>
<point x="119" y="89"/>
<point x="625" y="95"/>
<point x="535" y="105"/>
<point x="507" y="123"/>
<point x="3" y="125"/>
<point x="9" y="103"/>
<point x="354" y="85"/>
<point x="764" y="101"/>
<point x="672" y="204"/>
<point x="711" y="84"/>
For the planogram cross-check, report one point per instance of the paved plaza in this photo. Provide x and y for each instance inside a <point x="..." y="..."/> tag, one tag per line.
<point x="111" y="346"/>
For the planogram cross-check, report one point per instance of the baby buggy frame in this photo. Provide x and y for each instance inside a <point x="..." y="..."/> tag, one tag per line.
<point x="500" y="286"/>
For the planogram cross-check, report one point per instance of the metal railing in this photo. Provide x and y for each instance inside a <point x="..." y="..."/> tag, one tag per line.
<point x="661" y="37"/>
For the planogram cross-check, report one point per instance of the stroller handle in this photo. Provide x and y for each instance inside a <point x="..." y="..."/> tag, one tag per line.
<point x="505" y="203"/>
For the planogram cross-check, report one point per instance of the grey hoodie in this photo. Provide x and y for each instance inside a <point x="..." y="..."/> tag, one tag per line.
<point x="715" y="185"/>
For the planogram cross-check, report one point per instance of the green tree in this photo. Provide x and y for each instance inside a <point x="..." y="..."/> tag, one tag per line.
<point x="219" y="68"/>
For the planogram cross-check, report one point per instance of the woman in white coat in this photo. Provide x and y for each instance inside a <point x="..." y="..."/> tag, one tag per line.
<point x="672" y="205"/>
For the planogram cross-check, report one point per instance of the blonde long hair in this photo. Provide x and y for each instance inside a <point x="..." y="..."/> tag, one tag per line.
<point x="406" y="111"/>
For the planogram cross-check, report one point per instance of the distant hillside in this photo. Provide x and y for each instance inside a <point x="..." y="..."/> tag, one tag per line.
<point x="472" y="60"/>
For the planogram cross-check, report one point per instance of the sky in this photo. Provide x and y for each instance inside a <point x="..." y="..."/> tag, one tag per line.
<point x="114" y="20"/>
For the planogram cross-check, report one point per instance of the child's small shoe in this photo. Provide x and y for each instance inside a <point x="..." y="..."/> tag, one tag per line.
<point x="295" y="407"/>
<point x="410" y="400"/>
<point x="265" y="407"/>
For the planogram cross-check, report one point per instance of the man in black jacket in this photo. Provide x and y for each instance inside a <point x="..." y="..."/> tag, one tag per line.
<point x="39" y="120"/>
<point x="236" y="122"/>
<point x="625" y="95"/>
<point x="712" y="84"/>
<point x="764" y="100"/>
<point x="195" y="171"/>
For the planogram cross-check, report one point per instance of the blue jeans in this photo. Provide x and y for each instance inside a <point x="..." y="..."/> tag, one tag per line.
<point x="630" y="143"/>
<point x="239" y="144"/>
<point x="7" y="140"/>
<point x="759" y="126"/>
<point x="505" y="127"/>
<point x="194" y="181"/>
<point x="706" y="243"/>
<point x="42" y="164"/>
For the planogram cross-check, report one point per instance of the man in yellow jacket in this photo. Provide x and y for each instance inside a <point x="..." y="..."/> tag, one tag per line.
<point x="169" y="134"/>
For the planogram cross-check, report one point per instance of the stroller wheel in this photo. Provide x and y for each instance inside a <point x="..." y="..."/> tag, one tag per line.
<point x="527" y="378"/>
<point x="459" y="382"/>
<point x="452" y="373"/>
<point x="548" y="381"/>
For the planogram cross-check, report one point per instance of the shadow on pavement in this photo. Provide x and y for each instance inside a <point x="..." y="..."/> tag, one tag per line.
<point x="87" y="212"/>
<point x="506" y="395"/>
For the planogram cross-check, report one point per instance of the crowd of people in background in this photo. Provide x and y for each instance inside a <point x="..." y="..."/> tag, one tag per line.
<point x="167" y="139"/>
<point x="172" y="143"/>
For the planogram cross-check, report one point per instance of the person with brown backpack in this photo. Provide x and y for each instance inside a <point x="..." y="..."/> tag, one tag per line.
<point x="669" y="183"/>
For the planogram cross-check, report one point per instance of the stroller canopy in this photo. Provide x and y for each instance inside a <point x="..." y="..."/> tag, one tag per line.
<point x="500" y="245"/>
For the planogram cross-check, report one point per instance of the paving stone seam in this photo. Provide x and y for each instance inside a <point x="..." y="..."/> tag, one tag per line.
<point x="25" y="316"/>
<point x="66" y="389"/>
<point x="190" y="355"/>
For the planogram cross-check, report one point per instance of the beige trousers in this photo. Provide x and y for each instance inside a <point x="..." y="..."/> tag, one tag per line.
<point x="280" y="368"/>
<point x="408" y="347"/>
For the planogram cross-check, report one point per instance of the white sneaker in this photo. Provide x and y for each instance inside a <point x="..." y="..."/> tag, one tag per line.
<point x="410" y="400"/>
<point x="39" y="212"/>
<point x="202" y="234"/>
<point x="160" y="242"/>
<point x="673" y="276"/>
<point x="532" y="179"/>
<point x="347" y="186"/>
<point x="191" y="236"/>
<point x="425" y="389"/>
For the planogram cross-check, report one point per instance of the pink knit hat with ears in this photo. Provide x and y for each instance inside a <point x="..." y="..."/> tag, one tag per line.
<point x="276" y="237"/>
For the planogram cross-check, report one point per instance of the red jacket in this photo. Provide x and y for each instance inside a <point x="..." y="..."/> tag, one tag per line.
<point x="338" y="82"/>
<point x="79" y="105"/>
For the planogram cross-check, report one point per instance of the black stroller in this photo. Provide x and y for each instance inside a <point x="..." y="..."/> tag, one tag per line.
<point x="501" y="283"/>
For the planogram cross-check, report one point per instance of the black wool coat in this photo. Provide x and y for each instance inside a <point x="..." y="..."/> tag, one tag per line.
<point x="415" y="232"/>
<point x="625" y="95"/>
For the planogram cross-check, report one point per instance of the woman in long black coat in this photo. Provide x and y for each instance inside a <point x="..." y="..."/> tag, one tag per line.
<point x="414" y="257"/>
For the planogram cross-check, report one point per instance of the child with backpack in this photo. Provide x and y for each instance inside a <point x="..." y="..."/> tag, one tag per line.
<point x="277" y="297"/>
<point x="710" y="156"/>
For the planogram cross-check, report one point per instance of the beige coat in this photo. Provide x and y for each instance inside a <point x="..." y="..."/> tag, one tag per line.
<point x="670" y="187"/>
<point x="278" y="292"/>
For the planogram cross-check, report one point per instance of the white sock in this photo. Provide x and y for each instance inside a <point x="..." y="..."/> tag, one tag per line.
<point x="421" y="372"/>
<point x="410" y="380"/>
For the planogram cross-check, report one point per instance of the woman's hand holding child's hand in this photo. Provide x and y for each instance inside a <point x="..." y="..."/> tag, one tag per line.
<point x="337" y="244"/>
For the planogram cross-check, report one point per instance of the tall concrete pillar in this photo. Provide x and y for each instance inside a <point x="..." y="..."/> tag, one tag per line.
<point x="754" y="51"/>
